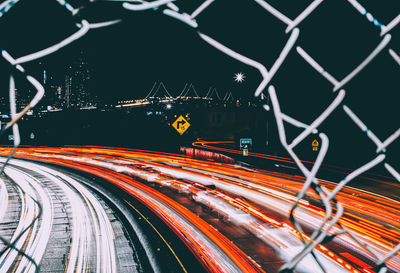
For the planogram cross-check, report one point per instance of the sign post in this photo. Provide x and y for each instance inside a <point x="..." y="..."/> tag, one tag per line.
<point x="245" y="145"/>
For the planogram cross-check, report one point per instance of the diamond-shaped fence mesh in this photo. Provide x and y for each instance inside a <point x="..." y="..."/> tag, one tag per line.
<point x="330" y="225"/>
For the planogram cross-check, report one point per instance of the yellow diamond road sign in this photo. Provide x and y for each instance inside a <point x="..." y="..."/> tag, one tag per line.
<point x="181" y="124"/>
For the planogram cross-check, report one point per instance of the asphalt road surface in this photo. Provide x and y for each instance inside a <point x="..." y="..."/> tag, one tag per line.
<point x="225" y="217"/>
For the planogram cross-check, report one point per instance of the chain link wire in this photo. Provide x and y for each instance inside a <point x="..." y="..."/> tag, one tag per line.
<point x="333" y="209"/>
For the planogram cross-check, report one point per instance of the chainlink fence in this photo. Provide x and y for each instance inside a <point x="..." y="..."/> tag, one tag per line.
<point x="333" y="208"/>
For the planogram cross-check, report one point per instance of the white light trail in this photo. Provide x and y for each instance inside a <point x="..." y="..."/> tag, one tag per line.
<point x="29" y="210"/>
<point x="36" y="246"/>
<point x="3" y="199"/>
<point x="172" y="10"/>
<point x="86" y="211"/>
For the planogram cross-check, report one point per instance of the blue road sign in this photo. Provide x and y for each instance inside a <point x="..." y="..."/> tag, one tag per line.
<point x="245" y="143"/>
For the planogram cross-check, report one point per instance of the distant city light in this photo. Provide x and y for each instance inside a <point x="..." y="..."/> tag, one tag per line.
<point x="169" y="106"/>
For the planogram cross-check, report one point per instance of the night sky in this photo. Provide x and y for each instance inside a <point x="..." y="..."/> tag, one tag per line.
<point x="127" y="58"/>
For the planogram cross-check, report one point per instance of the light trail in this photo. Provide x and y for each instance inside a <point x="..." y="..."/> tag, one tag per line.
<point x="25" y="232"/>
<point x="3" y="199"/>
<point x="89" y="221"/>
<point x="216" y="146"/>
<point x="373" y="219"/>
<point x="215" y="251"/>
<point x="333" y="213"/>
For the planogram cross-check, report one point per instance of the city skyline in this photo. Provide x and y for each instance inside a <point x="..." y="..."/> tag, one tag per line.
<point x="65" y="88"/>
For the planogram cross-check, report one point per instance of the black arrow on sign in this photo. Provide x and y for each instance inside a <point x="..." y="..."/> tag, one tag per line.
<point x="179" y="123"/>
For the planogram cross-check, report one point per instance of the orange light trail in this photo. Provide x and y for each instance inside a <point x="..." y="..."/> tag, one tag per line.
<point x="383" y="232"/>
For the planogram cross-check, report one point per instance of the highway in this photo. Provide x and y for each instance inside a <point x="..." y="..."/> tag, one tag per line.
<point x="282" y="164"/>
<point x="234" y="218"/>
<point x="62" y="222"/>
<point x="64" y="204"/>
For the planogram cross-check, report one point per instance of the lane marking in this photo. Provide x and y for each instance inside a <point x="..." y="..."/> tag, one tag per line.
<point x="159" y="234"/>
<point x="20" y="256"/>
